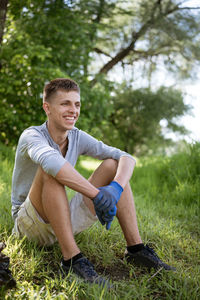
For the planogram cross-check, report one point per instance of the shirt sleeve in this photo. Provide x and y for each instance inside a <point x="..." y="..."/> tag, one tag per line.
<point x="90" y="146"/>
<point x="33" y="144"/>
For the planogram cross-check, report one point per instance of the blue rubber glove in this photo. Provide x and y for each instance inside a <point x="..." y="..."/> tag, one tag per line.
<point x="99" y="215"/>
<point x="106" y="218"/>
<point x="105" y="202"/>
<point x="109" y="216"/>
<point x="108" y="197"/>
<point x="118" y="188"/>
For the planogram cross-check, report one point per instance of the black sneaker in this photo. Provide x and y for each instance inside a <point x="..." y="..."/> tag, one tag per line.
<point x="148" y="258"/>
<point x="85" y="269"/>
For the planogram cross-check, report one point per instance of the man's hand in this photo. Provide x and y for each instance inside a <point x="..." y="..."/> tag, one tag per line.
<point x="106" y="218"/>
<point x="108" y="197"/>
<point x="105" y="202"/>
<point x="109" y="216"/>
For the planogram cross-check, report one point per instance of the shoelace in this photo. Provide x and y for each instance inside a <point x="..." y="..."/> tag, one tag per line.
<point x="87" y="266"/>
<point x="151" y="251"/>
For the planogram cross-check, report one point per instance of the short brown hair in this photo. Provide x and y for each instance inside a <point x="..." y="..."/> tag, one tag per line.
<point x="54" y="85"/>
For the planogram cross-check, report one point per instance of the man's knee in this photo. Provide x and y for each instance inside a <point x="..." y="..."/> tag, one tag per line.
<point x="108" y="169"/>
<point x="44" y="178"/>
<point x="110" y="164"/>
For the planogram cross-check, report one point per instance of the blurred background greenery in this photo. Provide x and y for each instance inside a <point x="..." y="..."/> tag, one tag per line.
<point x="89" y="41"/>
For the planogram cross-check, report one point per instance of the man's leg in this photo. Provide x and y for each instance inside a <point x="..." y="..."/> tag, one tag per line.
<point x="126" y="214"/>
<point x="136" y="252"/>
<point x="49" y="198"/>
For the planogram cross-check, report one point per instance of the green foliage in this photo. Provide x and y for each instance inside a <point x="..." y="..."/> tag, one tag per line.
<point x="45" y="40"/>
<point x="167" y="219"/>
<point x="48" y="39"/>
<point x="137" y="114"/>
<point x="177" y="179"/>
<point x="96" y="106"/>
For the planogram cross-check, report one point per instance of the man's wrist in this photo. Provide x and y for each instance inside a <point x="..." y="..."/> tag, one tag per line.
<point x="120" y="181"/>
<point x="95" y="193"/>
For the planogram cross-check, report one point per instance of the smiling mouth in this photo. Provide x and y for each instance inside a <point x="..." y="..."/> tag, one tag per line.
<point x="69" y="118"/>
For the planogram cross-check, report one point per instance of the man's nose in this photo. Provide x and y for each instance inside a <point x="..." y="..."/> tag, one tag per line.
<point x="72" y="108"/>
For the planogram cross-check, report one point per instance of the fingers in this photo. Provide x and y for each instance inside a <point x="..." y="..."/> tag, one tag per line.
<point x="105" y="200"/>
<point x="105" y="203"/>
<point x="112" y="212"/>
<point x="100" y="217"/>
<point x="108" y="224"/>
<point x="107" y="218"/>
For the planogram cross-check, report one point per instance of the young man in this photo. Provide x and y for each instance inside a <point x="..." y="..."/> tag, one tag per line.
<point x="44" y="165"/>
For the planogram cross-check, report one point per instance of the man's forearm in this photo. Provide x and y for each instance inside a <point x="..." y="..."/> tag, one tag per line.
<point x="70" y="177"/>
<point x="124" y="171"/>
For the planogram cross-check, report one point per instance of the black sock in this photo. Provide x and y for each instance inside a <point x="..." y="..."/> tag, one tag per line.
<point x="135" y="248"/>
<point x="72" y="260"/>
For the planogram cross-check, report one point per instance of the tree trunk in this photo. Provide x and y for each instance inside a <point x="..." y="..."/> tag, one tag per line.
<point x="3" y="10"/>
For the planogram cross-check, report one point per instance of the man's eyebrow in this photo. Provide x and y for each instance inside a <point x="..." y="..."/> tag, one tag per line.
<point x="70" y="100"/>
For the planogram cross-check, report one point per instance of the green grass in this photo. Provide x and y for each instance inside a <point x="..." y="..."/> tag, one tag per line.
<point x="167" y="195"/>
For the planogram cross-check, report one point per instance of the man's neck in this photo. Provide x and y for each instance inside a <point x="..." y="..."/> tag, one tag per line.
<point x="59" y="137"/>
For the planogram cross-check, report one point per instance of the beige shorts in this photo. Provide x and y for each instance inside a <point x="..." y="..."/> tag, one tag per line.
<point x="29" y="223"/>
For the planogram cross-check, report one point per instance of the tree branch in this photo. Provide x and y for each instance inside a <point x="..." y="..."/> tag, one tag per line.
<point x="100" y="11"/>
<point x="136" y="35"/>
<point x="124" y="52"/>
<point x="97" y="50"/>
<point x="182" y="8"/>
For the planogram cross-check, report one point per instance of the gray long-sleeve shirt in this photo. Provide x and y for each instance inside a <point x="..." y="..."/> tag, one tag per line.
<point x="36" y="147"/>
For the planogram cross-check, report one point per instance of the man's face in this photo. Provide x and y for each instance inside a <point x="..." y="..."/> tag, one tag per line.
<point x="63" y="110"/>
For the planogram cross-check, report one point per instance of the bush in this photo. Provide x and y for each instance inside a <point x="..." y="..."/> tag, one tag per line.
<point x="175" y="179"/>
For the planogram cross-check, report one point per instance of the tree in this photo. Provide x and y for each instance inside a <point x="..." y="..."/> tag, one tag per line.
<point x="137" y="115"/>
<point x="149" y="30"/>
<point x="46" y="39"/>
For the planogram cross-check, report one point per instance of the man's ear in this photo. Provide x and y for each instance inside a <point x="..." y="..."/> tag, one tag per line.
<point x="46" y="108"/>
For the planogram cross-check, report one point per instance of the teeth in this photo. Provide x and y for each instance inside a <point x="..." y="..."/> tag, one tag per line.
<point x="69" y="118"/>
